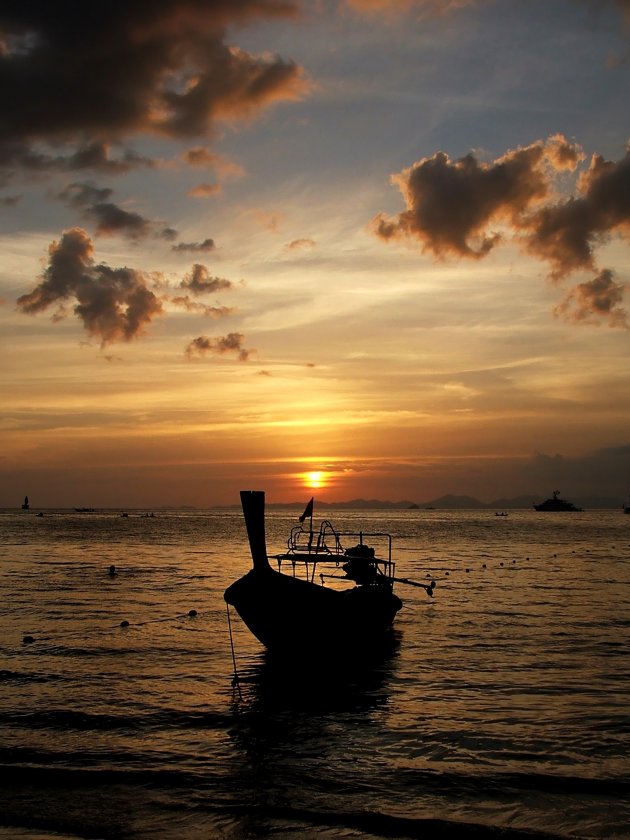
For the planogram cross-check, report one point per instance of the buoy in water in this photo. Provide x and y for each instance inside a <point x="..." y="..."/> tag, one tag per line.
<point x="192" y="613"/>
<point x="124" y="623"/>
<point x="28" y="640"/>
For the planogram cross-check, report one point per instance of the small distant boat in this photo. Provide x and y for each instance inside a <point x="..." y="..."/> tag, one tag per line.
<point x="557" y="504"/>
<point x="84" y="510"/>
<point x="501" y="513"/>
<point x="25" y="505"/>
<point x="626" y="507"/>
<point x="293" y="614"/>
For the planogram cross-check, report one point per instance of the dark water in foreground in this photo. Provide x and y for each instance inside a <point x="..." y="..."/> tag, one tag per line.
<point x="503" y="709"/>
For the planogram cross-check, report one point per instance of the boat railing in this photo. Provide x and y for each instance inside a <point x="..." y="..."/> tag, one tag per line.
<point x="328" y="545"/>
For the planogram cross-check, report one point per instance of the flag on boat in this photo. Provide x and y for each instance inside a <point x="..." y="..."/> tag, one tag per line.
<point x="308" y="511"/>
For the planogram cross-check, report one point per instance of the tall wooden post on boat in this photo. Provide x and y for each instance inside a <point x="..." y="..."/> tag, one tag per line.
<point x="253" y="504"/>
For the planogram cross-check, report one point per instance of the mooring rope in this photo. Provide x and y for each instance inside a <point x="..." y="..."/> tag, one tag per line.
<point x="235" y="679"/>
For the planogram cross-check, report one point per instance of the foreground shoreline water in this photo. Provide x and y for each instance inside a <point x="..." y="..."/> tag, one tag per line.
<point x="502" y="710"/>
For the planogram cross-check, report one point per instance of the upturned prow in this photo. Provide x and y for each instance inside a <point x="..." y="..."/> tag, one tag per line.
<point x="253" y="503"/>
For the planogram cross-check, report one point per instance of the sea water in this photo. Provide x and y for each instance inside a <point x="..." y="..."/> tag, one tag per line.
<point x="502" y="710"/>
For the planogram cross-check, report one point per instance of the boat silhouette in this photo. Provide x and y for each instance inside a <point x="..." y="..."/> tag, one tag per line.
<point x="288" y="613"/>
<point x="557" y="504"/>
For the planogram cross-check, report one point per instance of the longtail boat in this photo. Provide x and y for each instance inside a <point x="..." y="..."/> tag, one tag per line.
<point x="344" y="597"/>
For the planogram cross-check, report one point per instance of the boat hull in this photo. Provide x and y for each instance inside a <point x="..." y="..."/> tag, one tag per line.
<point x="286" y="613"/>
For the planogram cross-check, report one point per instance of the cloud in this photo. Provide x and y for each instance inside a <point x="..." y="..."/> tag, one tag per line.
<point x="231" y="343"/>
<point x="452" y="205"/>
<point x="567" y="232"/>
<point x="200" y="156"/>
<point x="114" y="304"/>
<point x="199" y="281"/>
<point x="214" y="312"/>
<point x="119" y="69"/>
<point x="195" y="247"/>
<point x="204" y="190"/>
<point x="392" y="7"/>
<point x="93" y="156"/>
<point x="421" y="8"/>
<point x="465" y="208"/>
<point x="299" y="244"/>
<point x="111" y="219"/>
<point x="599" y="298"/>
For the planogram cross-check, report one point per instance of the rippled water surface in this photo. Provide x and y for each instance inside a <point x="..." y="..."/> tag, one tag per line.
<point x="502" y="710"/>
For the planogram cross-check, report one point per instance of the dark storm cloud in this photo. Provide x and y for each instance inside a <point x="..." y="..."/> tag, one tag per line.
<point x="464" y="208"/>
<point x="597" y="299"/>
<point x="195" y="247"/>
<point x="95" y="73"/>
<point x="231" y="343"/>
<point x="200" y="282"/>
<point x="114" y="304"/>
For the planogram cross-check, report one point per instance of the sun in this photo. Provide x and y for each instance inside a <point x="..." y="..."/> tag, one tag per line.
<point x="315" y="480"/>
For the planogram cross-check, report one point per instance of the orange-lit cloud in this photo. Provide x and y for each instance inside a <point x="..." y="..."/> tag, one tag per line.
<point x="204" y="190"/>
<point x="454" y="206"/>
<point x="200" y="156"/>
<point x="567" y="232"/>
<point x="443" y="7"/>
<point x="114" y="304"/>
<point x="388" y="7"/>
<point x="214" y="312"/>
<point x="230" y="343"/>
<point x="598" y="298"/>
<point x="465" y="208"/>
<point x="301" y="244"/>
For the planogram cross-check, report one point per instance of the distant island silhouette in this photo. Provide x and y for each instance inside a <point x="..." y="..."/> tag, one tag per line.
<point x="446" y="502"/>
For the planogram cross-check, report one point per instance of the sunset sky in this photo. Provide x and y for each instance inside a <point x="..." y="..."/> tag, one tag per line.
<point x="350" y="248"/>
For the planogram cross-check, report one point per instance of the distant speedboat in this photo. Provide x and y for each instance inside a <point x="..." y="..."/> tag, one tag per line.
<point x="292" y="613"/>
<point x="501" y="513"/>
<point x="557" y="504"/>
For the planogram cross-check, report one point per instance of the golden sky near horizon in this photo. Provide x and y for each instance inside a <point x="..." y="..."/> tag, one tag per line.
<point x="353" y="248"/>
